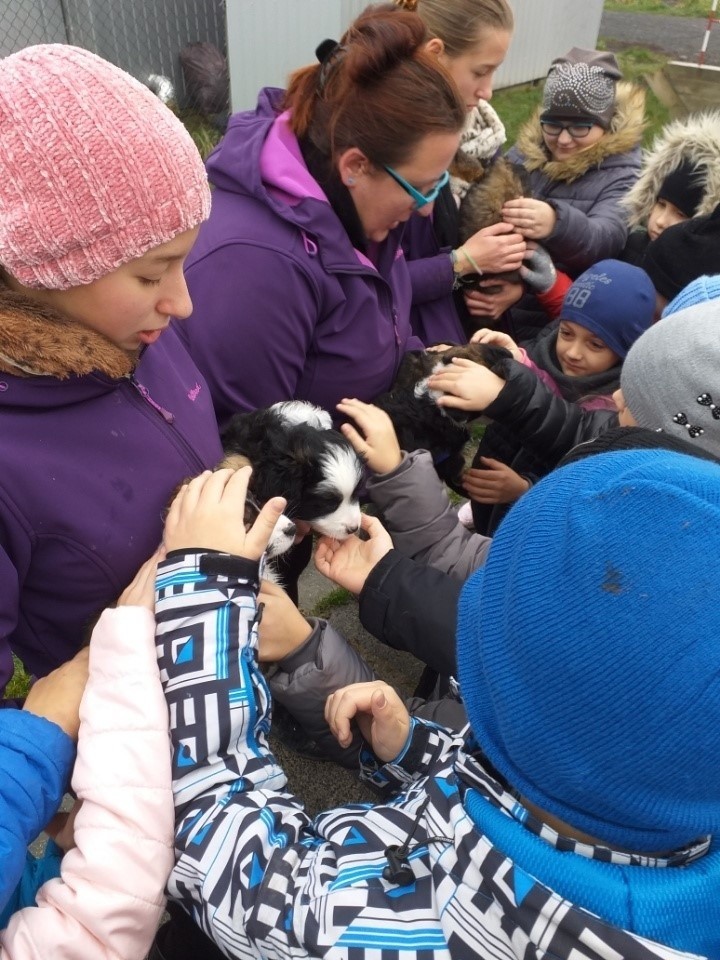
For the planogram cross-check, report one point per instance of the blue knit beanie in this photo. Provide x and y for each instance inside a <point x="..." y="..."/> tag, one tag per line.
<point x="614" y="300"/>
<point x="588" y="650"/>
<point x="697" y="291"/>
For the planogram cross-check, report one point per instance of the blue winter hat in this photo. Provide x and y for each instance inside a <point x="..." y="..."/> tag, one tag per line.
<point x="699" y="290"/>
<point x="614" y="300"/>
<point x="588" y="650"/>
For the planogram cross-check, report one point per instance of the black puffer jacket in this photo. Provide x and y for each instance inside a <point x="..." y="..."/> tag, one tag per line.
<point x="547" y="425"/>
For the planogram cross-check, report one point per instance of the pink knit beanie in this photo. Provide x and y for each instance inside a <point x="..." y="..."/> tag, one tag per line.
<point x="94" y="169"/>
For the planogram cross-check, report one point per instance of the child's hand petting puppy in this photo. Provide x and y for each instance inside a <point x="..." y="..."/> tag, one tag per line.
<point x="207" y="514"/>
<point x="467" y="385"/>
<point x="349" y="562"/>
<point x="497" y="339"/>
<point x="377" y="444"/>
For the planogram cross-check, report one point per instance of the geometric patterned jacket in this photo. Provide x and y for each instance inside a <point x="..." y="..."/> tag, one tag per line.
<point x="480" y="879"/>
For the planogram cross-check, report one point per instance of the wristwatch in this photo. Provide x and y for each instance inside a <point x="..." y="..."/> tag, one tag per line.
<point x="456" y="266"/>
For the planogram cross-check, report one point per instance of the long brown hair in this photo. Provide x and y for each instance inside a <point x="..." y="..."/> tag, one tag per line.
<point x="458" y="22"/>
<point x="378" y="90"/>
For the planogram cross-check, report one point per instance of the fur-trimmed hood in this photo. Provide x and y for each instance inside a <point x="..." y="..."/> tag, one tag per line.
<point x="695" y="139"/>
<point x="37" y="341"/>
<point x="624" y="134"/>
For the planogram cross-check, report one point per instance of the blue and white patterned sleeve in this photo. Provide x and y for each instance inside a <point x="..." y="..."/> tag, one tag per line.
<point x="233" y="812"/>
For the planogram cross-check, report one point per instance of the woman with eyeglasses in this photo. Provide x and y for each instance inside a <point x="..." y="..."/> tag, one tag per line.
<point x="582" y="154"/>
<point x="299" y="284"/>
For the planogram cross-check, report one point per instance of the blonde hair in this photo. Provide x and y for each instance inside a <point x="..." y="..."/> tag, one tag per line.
<point x="457" y="22"/>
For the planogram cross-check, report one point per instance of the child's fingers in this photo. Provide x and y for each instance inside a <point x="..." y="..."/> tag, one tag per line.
<point x="259" y="534"/>
<point x="357" y="441"/>
<point x="228" y="482"/>
<point x="192" y="492"/>
<point x="372" y="526"/>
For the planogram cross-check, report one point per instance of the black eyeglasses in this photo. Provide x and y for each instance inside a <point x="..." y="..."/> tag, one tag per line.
<point x="578" y="131"/>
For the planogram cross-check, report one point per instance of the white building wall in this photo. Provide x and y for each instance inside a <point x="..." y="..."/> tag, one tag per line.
<point x="268" y="39"/>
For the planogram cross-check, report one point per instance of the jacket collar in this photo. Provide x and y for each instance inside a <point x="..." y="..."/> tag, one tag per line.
<point x="624" y="134"/>
<point x="35" y="341"/>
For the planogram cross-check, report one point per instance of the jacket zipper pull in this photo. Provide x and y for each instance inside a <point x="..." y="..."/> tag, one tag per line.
<point x="395" y="326"/>
<point x="145" y="394"/>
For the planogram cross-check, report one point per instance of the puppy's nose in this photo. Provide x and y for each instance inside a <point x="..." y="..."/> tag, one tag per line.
<point x="290" y="529"/>
<point x="349" y="530"/>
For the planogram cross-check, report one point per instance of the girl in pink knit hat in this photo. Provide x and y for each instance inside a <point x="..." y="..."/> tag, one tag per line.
<point x="102" y="411"/>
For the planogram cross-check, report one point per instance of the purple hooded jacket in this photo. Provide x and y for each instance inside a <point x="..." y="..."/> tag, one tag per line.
<point x="284" y="306"/>
<point x="89" y="461"/>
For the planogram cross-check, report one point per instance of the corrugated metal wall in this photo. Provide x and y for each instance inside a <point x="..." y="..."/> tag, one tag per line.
<point x="142" y="36"/>
<point x="267" y="39"/>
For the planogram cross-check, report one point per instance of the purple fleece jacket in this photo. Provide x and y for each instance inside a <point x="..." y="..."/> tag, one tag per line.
<point x="284" y="306"/>
<point x="88" y="465"/>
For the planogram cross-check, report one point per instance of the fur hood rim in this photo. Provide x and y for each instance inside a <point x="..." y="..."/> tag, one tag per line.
<point x="35" y="341"/>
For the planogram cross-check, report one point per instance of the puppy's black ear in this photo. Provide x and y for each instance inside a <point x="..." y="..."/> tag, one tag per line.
<point x="237" y="433"/>
<point x="302" y="451"/>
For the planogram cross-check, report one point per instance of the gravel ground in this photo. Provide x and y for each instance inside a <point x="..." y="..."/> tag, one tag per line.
<point x="679" y="38"/>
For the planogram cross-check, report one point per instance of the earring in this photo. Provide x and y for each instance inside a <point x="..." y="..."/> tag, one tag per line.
<point x="350" y="181"/>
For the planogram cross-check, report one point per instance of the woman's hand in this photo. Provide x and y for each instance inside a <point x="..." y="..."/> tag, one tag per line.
<point x="495" y="249"/>
<point x="282" y="627"/>
<point x="377" y="444"/>
<point x="466" y="385"/>
<point x="207" y="514"/>
<point x="379" y="713"/>
<point x="349" y="562"/>
<point x="534" y="219"/>
<point x="498" y="339"/>
<point x="497" y="483"/>
<point x="492" y="306"/>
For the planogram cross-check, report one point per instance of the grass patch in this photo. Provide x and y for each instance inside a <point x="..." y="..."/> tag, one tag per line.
<point x="515" y="105"/>
<point x="339" y="597"/>
<point x="205" y="134"/>
<point x="19" y="682"/>
<point x="672" y="8"/>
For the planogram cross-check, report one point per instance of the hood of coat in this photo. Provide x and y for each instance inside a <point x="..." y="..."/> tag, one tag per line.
<point x="259" y="157"/>
<point x="35" y="341"/>
<point x="625" y="134"/>
<point x="695" y="139"/>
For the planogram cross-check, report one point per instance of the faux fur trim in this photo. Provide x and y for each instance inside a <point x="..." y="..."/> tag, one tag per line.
<point x="696" y="139"/>
<point x="37" y="341"/>
<point x="624" y="134"/>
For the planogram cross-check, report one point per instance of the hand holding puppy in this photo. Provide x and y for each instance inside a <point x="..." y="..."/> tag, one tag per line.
<point x="349" y="562"/>
<point x="207" y="514"/>
<point x="466" y="385"/>
<point x="282" y="627"/>
<point x="377" y="444"/>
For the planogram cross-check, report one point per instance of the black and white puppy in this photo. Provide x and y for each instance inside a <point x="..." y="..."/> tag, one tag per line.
<point x="295" y="453"/>
<point x="420" y="424"/>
